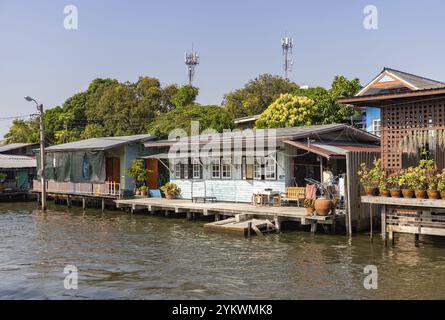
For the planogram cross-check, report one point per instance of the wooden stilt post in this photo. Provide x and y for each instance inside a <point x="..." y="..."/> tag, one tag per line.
<point x="314" y="227"/>
<point x="277" y="224"/>
<point x="383" y="223"/>
<point x="68" y="201"/>
<point x="370" y="217"/>
<point x="103" y="205"/>
<point x="189" y="215"/>
<point x="249" y="230"/>
<point x="216" y="217"/>
<point x="83" y="203"/>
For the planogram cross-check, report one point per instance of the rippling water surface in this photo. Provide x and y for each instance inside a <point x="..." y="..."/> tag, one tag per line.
<point x="144" y="257"/>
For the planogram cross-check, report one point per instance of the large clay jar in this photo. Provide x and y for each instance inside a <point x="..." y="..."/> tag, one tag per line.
<point x="433" y="194"/>
<point x="384" y="193"/>
<point x="407" y="193"/>
<point x="442" y="195"/>
<point x="323" y="206"/>
<point x="420" y="194"/>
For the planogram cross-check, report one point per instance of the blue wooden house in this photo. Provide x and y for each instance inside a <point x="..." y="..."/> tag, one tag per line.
<point x="232" y="166"/>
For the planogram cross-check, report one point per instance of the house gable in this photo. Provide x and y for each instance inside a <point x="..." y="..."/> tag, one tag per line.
<point x="395" y="81"/>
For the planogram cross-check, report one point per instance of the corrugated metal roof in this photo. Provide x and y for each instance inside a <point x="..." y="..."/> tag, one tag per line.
<point x="417" y="81"/>
<point x="99" y="143"/>
<point x="281" y="133"/>
<point x="16" y="162"/>
<point x="13" y="146"/>
<point x="246" y="119"/>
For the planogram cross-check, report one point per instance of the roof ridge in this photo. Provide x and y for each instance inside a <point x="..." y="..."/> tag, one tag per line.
<point x="412" y="74"/>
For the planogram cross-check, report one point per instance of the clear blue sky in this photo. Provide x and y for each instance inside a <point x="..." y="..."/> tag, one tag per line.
<point x="237" y="41"/>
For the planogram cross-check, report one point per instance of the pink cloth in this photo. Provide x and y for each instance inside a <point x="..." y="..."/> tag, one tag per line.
<point x="311" y="191"/>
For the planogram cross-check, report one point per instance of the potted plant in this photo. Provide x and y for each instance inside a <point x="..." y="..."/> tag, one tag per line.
<point x="309" y="204"/>
<point x="171" y="190"/>
<point x="384" y="185"/>
<point x="441" y="184"/>
<point x="407" y="182"/>
<point x="432" y="182"/>
<point x="394" y="185"/>
<point x="139" y="173"/>
<point x="421" y="173"/>
<point x="143" y="190"/>
<point x="369" y="178"/>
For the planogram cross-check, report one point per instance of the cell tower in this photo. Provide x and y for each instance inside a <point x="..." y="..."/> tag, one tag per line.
<point x="191" y="60"/>
<point x="287" y="45"/>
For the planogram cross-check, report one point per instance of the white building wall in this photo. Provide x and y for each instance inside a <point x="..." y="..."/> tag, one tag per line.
<point x="235" y="189"/>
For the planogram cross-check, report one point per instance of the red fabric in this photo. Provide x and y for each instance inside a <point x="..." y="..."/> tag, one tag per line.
<point x="311" y="191"/>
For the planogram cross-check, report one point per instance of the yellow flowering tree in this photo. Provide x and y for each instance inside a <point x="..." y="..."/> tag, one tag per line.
<point x="288" y="111"/>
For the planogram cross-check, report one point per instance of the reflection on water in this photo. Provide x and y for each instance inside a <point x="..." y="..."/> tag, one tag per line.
<point x="145" y="257"/>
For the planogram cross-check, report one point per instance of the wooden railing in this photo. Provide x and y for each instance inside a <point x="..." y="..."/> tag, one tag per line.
<point x="99" y="189"/>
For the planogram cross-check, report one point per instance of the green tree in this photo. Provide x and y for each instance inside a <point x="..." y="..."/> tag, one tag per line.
<point x="288" y="111"/>
<point x="214" y="117"/>
<point x="185" y="96"/>
<point x="256" y="95"/>
<point x="22" y="131"/>
<point x="328" y="110"/>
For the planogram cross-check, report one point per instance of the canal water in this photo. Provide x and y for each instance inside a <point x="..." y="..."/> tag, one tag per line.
<point x="122" y="256"/>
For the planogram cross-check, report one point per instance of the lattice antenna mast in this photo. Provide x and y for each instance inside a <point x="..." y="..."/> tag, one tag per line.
<point x="287" y="45"/>
<point x="191" y="60"/>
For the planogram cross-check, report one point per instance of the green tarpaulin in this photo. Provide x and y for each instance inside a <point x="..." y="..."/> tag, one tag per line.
<point x="77" y="167"/>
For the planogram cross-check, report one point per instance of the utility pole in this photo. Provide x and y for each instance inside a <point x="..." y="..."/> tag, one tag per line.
<point x="42" y="150"/>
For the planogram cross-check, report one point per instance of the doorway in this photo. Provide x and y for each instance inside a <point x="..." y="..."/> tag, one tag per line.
<point x="113" y="169"/>
<point x="153" y="166"/>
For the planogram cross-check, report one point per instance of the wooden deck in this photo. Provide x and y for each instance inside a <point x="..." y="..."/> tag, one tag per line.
<point x="414" y="216"/>
<point x="227" y="209"/>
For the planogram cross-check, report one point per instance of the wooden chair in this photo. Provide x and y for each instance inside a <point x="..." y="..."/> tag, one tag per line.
<point x="296" y="194"/>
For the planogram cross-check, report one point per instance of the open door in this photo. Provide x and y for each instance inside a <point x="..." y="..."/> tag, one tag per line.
<point x="152" y="165"/>
<point x="113" y="169"/>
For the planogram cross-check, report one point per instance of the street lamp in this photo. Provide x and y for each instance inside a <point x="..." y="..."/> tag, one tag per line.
<point x="42" y="149"/>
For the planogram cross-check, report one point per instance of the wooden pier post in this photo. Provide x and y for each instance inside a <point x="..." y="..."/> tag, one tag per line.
<point x="217" y="217"/>
<point x="383" y="223"/>
<point x="277" y="223"/>
<point x="249" y="230"/>
<point x="370" y="217"/>
<point x="83" y="203"/>
<point x="68" y="201"/>
<point x="189" y="215"/>
<point x="103" y="205"/>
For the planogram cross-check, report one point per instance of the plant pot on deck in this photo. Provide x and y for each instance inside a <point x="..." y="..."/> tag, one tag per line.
<point x="433" y="194"/>
<point x="420" y="194"/>
<point x="371" y="191"/>
<point x="310" y="211"/>
<point x="407" y="193"/>
<point x="169" y="196"/>
<point x="323" y="206"/>
<point x="442" y="194"/>
<point x="395" y="193"/>
<point x="384" y="193"/>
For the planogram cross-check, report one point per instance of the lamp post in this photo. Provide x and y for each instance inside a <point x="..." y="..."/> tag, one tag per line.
<point x="42" y="150"/>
